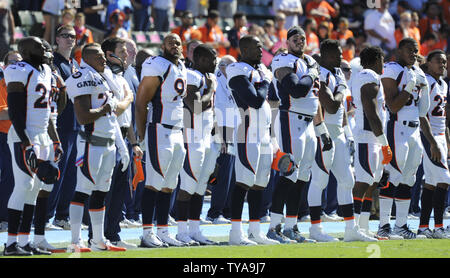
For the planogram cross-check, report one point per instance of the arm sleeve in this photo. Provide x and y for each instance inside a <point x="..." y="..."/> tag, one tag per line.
<point x="245" y="91"/>
<point x="424" y="101"/>
<point x="294" y="86"/>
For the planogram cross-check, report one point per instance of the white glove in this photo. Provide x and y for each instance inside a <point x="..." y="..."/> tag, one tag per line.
<point x="121" y="147"/>
<point x="313" y="73"/>
<point x="410" y="80"/>
<point x="341" y="84"/>
<point x="112" y="101"/>
<point x="265" y="74"/>
<point x="125" y="158"/>
<point x="421" y="80"/>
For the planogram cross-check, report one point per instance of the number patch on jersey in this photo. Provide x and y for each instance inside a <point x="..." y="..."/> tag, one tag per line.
<point x="439" y="111"/>
<point x="41" y="102"/>
<point x="179" y="86"/>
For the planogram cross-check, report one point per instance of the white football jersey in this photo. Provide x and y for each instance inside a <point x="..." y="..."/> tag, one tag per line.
<point x="410" y="111"/>
<point x="166" y="106"/>
<point x="87" y="81"/>
<point x="118" y="84"/>
<point x="438" y="100"/>
<point x="259" y="120"/>
<point x="306" y="105"/>
<point x="224" y="104"/>
<point x="362" y="131"/>
<point x="206" y="118"/>
<point x="38" y="86"/>
<point x="328" y="78"/>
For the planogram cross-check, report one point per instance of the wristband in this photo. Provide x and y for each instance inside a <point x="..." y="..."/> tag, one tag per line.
<point x="135" y="144"/>
<point x="382" y="140"/>
<point x="410" y="87"/>
<point x="348" y="132"/>
<point x="321" y="129"/>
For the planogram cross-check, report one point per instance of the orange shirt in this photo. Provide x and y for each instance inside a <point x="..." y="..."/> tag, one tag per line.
<point x="186" y="35"/>
<point x="426" y="25"/>
<point x="281" y="34"/>
<point x="342" y="37"/>
<point x="323" y="6"/>
<point x="348" y="54"/>
<point x="4" y="124"/>
<point x="412" y="32"/>
<point x="312" y="41"/>
<point x="90" y="39"/>
<point x="214" y="34"/>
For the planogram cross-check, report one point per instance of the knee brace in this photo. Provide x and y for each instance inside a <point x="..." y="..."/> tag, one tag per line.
<point x="403" y="192"/>
<point x="97" y="200"/>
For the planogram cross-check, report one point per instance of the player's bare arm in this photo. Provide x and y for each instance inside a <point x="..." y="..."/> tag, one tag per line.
<point x="426" y="130"/>
<point x="394" y="100"/>
<point x="369" y="101"/>
<point x="84" y="113"/>
<point x="206" y="99"/>
<point x="146" y="91"/>
<point x="318" y="118"/>
<point x="329" y="102"/>
<point x="132" y="139"/>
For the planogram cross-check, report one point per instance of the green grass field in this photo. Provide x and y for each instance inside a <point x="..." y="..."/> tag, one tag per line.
<point x="381" y="249"/>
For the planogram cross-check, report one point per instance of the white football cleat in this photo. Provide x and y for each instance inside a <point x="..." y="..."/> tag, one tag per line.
<point x="77" y="248"/>
<point x="355" y="234"/>
<point x="168" y="239"/>
<point x="261" y="239"/>
<point x="124" y="244"/>
<point x="200" y="238"/>
<point x="150" y="240"/>
<point x="44" y="245"/>
<point x="320" y="236"/>
<point x="104" y="245"/>
<point x="185" y="238"/>
<point x="440" y="233"/>
<point x="237" y="238"/>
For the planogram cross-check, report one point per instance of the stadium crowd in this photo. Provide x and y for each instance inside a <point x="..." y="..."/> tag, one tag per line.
<point x="132" y="31"/>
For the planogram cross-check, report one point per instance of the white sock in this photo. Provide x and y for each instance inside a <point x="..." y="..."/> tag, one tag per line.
<point x="385" y="210"/>
<point x="364" y="220"/>
<point x="23" y="239"/>
<point x="161" y="229"/>
<point x="357" y="221"/>
<point x="182" y="227"/>
<point x="97" y="221"/>
<point x="253" y="227"/>
<point x="11" y="239"/>
<point x="402" y="210"/>
<point x="236" y="225"/>
<point x="38" y="238"/>
<point x="147" y="230"/>
<point x="194" y="226"/>
<point x="350" y="223"/>
<point x="275" y="219"/>
<point x="290" y="222"/>
<point x="75" y="216"/>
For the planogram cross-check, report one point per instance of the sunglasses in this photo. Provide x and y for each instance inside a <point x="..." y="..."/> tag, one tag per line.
<point x="346" y="69"/>
<point x="67" y="35"/>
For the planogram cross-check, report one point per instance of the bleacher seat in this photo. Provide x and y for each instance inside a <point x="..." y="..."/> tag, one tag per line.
<point x="38" y="16"/>
<point x="26" y="18"/>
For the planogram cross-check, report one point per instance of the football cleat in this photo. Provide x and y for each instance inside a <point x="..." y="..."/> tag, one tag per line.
<point x="237" y="238"/>
<point x="371" y="234"/>
<point x="319" y="235"/>
<point x="273" y="234"/>
<point x="386" y="232"/>
<point x="200" y="238"/>
<point x="261" y="239"/>
<point x="406" y="233"/>
<point x="35" y="250"/>
<point x="294" y="234"/>
<point x="355" y="234"/>
<point x="64" y="224"/>
<point x="328" y="218"/>
<point x="78" y="248"/>
<point x="44" y="245"/>
<point x="51" y="227"/>
<point x="426" y="232"/>
<point x="440" y="233"/>
<point x="168" y="239"/>
<point x="124" y="244"/>
<point x="104" y="245"/>
<point x="185" y="238"/>
<point x="151" y="240"/>
<point x="15" y="250"/>
<point x="219" y="220"/>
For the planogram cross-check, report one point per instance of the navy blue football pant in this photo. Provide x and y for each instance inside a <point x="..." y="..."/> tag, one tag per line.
<point x="220" y="201"/>
<point x="64" y="188"/>
<point x="6" y="176"/>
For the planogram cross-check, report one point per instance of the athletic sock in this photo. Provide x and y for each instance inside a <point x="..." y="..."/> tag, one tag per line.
<point x="315" y="214"/>
<point x="237" y="202"/>
<point x="195" y="207"/>
<point x="365" y="214"/>
<point x="426" y="206"/>
<point x="162" y="208"/>
<point x="385" y="210"/>
<point x="13" y="225"/>
<point x="76" y="211"/>
<point x="182" y="210"/>
<point x="402" y="202"/>
<point x="148" y="206"/>
<point x="97" y="221"/>
<point x="357" y="205"/>
<point x="182" y="226"/>
<point x="279" y="195"/>
<point x="439" y="206"/>
<point x="290" y="222"/>
<point x="194" y="226"/>
<point x="275" y="219"/>
<point x="25" y="225"/>
<point x="40" y="215"/>
<point x="254" y="226"/>
<point x="254" y="200"/>
<point x="293" y="199"/>
<point x="347" y="212"/>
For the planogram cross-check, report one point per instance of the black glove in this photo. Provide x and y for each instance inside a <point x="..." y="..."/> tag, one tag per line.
<point x="31" y="158"/>
<point x="384" y="179"/>
<point x="327" y="142"/>
<point x="286" y="164"/>
<point x="58" y="151"/>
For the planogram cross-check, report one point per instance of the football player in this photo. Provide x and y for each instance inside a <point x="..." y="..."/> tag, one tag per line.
<point x="162" y="89"/>
<point x="372" y="150"/>
<point x="437" y="176"/>
<point x="201" y="152"/>
<point x="331" y="97"/>
<point x="95" y="106"/>
<point x="30" y="138"/>
<point x="295" y="74"/>
<point x="249" y="83"/>
<point x="407" y="98"/>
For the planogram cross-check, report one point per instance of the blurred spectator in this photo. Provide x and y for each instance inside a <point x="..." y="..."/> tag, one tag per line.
<point x="189" y="58"/>
<point x="433" y="19"/>
<point x="124" y="6"/>
<point x="162" y="13"/>
<point x="227" y="8"/>
<point x="429" y="43"/>
<point x="356" y="17"/>
<point x="323" y="31"/>
<point x="443" y="37"/>
<point x="199" y="8"/>
<point x="312" y="40"/>
<point x="6" y="28"/>
<point x="95" y="12"/>
<point x="417" y="5"/>
<point x="380" y="27"/>
<point x="67" y="17"/>
<point x="292" y="9"/>
<point x="407" y="29"/>
<point x="342" y="33"/>
<point x="84" y="36"/>
<point x="446" y="10"/>
<point x="186" y="31"/>
<point x="141" y="16"/>
<point x="234" y="34"/>
<point x="280" y="30"/>
<point x="6" y="178"/>
<point x="213" y="35"/>
<point x="116" y="29"/>
<point x="321" y="10"/>
<point x="270" y="37"/>
<point x="349" y="49"/>
<point x="396" y="8"/>
<point x="51" y="10"/>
